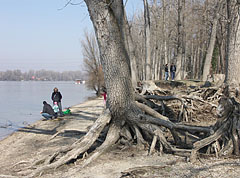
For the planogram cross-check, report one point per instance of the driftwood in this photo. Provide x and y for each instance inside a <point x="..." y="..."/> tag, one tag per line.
<point x="222" y="137"/>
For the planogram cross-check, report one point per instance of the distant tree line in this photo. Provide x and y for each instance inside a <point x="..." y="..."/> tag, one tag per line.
<point x="40" y="75"/>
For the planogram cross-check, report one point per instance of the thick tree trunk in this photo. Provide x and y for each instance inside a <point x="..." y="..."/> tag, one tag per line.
<point x="183" y="43"/>
<point x="208" y="60"/>
<point x="148" y="64"/>
<point x="164" y="32"/>
<point x="233" y="44"/>
<point x="200" y="56"/>
<point x="120" y="15"/>
<point x="132" y="55"/>
<point x="179" y="43"/>
<point x="114" y="56"/>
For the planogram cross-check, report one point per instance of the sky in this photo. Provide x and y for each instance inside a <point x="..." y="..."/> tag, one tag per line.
<point x="35" y="34"/>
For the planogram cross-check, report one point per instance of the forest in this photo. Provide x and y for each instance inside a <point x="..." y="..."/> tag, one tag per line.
<point x="193" y="34"/>
<point x="190" y="34"/>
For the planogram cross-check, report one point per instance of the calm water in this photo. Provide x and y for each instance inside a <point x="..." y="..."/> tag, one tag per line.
<point x="21" y="102"/>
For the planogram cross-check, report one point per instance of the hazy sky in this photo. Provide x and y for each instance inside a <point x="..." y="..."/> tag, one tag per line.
<point x="34" y="34"/>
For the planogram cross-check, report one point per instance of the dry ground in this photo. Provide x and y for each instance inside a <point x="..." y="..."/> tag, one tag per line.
<point x="22" y="148"/>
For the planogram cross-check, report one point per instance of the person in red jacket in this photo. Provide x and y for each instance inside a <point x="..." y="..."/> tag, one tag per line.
<point x="104" y="94"/>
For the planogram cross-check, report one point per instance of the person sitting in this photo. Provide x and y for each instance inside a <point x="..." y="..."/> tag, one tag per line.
<point x="47" y="111"/>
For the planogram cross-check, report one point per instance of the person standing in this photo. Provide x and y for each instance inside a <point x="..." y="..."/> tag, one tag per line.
<point x="104" y="94"/>
<point x="173" y="71"/>
<point x="57" y="97"/>
<point x="47" y="111"/>
<point x="166" y="72"/>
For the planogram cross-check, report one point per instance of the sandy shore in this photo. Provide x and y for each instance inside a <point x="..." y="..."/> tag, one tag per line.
<point x="21" y="149"/>
<point x="33" y="142"/>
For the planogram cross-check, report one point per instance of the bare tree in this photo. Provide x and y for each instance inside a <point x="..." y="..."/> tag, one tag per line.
<point x="233" y="43"/>
<point x="92" y="63"/>
<point x="208" y="60"/>
<point x="179" y="32"/>
<point x="148" y="63"/>
<point x="128" y="40"/>
<point x="179" y="41"/>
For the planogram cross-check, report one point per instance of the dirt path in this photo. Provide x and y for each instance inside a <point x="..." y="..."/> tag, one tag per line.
<point x="22" y="148"/>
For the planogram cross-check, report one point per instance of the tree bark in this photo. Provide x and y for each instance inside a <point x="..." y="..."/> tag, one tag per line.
<point x="179" y="43"/>
<point x="121" y="17"/>
<point x="148" y="64"/>
<point x="233" y="44"/>
<point x="114" y="56"/>
<point x="208" y="60"/>
<point x="164" y="32"/>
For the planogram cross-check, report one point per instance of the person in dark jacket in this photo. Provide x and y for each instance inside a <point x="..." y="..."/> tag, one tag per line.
<point x="57" y="97"/>
<point x="47" y="111"/>
<point x="173" y="70"/>
<point x="166" y="72"/>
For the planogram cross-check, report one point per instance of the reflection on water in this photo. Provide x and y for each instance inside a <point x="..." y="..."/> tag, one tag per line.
<point x="21" y="102"/>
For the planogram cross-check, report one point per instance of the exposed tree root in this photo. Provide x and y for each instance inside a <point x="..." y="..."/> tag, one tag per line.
<point x="77" y="148"/>
<point x="152" y="148"/>
<point x="219" y="139"/>
<point x="147" y="126"/>
<point x="208" y="140"/>
<point x="150" y="111"/>
<point x="21" y="162"/>
<point x="112" y="137"/>
<point x="140" y="140"/>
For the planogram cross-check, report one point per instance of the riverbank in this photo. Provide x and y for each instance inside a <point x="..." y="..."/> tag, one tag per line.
<point x="27" y="146"/>
<point x="20" y="149"/>
<point x="21" y="102"/>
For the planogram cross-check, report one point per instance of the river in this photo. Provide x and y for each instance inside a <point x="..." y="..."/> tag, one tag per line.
<point x="21" y="102"/>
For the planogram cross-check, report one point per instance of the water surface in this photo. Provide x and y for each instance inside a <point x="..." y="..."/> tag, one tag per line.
<point x="21" y="102"/>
